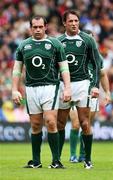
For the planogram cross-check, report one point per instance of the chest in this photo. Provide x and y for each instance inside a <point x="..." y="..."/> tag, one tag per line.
<point x="41" y="49"/>
<point x="77" y="47"/>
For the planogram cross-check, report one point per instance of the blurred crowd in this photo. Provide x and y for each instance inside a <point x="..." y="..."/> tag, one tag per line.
<point x="95" y="15"/>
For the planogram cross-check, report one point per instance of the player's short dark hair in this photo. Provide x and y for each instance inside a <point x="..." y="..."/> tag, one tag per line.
<point x="37" y="17"/>
<point x="66" y="13"/>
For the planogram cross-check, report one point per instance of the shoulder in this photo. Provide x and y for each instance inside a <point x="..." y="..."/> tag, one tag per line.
<point x="24" y="43"/>
<point x="85" y="36"/>
<point x="88" y="39"/>
<point x="62" y="37"/>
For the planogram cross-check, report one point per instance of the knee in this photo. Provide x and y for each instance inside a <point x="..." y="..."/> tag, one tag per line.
<point x="75" y="126"/>
<point x="51" y="125"/>
<point x="36" y="127"/>
<point x="85" y="127"/>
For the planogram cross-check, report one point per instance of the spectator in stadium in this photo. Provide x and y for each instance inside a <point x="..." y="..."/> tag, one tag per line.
<point x="7" y="112"/>
<point x="79" y="48"/>
<point x="43" y="57"/>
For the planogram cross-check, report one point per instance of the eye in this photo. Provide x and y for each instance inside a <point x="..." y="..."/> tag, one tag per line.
<point x="40" y="27"/>
<point x="34" y="27"/>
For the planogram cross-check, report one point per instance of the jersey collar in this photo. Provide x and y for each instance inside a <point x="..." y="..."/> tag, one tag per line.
<point x="77" y="36"/>
<point x="40" y="39"/>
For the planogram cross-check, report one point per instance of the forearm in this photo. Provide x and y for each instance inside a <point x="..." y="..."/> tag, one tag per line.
<point x="15" y="83"/>
<point x="104" y="82"/>
<point x="64" y="70"/>
<point x="16" y="75"/>
<point x="66" y="79"/>
<point x="105" y="86"/>
<point x="97" y="62"/>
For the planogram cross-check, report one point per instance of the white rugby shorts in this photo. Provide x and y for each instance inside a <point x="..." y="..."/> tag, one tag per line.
<point x="80" y="95"/>
<point x="94" y="105"/>
<point x="42" y="98"/>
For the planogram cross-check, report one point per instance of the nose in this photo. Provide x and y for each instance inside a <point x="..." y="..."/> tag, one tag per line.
<point x="38" y="29"/>
<point x="73" y="22"/>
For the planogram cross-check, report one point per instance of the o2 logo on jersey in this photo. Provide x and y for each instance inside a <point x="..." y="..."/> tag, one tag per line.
<point x="37" y="62"/>
<point x="72" y="59"/>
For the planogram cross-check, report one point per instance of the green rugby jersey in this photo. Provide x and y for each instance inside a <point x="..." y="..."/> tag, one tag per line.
<point x="79" y="50"/>
<point x="41" y="59"/>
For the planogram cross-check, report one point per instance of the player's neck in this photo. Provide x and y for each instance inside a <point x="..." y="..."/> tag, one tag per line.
<point x="72" y="36"/>
<point x="44" y="37"/>
<point x="69" y="34"/>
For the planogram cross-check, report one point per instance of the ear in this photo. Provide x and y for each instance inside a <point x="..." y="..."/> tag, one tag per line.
<point x="64" y="24"/>
<point x="30" y="31"/>
<point x="46" y="26"/>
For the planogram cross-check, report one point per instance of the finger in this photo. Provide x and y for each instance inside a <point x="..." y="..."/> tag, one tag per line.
<point x="17" y="101"/>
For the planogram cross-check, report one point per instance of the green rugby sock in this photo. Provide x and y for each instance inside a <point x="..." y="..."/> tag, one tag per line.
<point x="36" y="140"/>
<point x="87" y="139"/>
<point x="61" y="141"/>
<point x="82" y="151"/>
<point x="53" y="141"/>
<point x="73" y="141"/>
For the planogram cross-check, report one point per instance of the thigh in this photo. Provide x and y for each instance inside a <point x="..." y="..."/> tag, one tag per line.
<point x="50" y="98"/>
<point x="80" y="93"/>
<point x="33" y="100"/>
<point x="83" y="114"/>
<point x="92" y="116"/>
<point x="50" y="115"/>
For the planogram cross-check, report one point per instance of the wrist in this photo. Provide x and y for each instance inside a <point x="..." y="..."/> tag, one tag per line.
<point x="16" y="92"/>
<point x="107" y="92"/>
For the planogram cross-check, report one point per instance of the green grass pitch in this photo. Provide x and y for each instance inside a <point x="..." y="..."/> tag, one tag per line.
<point x="14" y="156"/>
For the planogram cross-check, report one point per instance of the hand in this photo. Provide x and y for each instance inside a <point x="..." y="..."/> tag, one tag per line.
<point x="94" y="92"/>
<point x="17" y="97"/>
<point x="107" y="98"/>
<point x="67" y="94"/>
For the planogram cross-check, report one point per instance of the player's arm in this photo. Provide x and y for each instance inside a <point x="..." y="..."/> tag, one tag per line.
<point x="97" y="62"/>
<point x="105" y="85"/>
<point x="16" y="76"/>
<point x="64" y="70"/>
